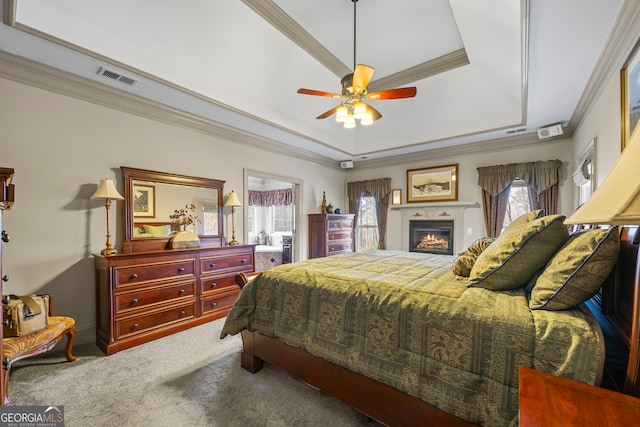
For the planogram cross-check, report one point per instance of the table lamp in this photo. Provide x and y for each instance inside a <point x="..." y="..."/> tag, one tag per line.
<point x="233" y="201"/>
<point x="107" y="191"/>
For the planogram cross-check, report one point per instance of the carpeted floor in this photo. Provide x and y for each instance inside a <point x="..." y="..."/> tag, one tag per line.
<point x="187" y="379"/>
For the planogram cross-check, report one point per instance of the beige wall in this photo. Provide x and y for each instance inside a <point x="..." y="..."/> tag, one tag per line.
<point x="468" y="189"/>
<point x="61" y="147"/>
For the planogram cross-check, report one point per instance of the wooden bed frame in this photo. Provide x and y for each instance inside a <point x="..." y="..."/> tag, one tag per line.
<point x="617" y="307"/>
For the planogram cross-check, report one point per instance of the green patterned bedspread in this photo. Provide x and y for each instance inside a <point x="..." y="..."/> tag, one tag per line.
<point x="404" y="319"/>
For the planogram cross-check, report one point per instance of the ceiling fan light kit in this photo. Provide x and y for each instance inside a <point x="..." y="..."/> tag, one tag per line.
<point x="354" y="89"/>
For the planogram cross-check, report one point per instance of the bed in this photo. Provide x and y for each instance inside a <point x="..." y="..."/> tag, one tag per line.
<point x="403" y="339"/>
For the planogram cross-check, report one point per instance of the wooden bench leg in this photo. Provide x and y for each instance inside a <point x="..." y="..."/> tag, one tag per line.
<point x="71" y="336"/>
<point x="6" y="366"/>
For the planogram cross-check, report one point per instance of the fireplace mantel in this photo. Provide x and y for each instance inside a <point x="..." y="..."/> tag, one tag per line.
<point x="435" y="211"/>
<point x="462" y="205"/>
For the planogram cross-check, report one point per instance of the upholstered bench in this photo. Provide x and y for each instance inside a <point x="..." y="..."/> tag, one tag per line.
<point x="17" y="348"/>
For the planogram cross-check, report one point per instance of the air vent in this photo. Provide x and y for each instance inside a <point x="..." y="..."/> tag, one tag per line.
<point x="512" y="131"/>
<point x="117" y="76"/>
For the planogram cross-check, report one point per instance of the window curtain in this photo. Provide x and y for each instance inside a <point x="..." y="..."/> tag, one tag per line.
<point x="282" y="197"/>
<point x="542" y="178"/>
<point x="379" y="189"/>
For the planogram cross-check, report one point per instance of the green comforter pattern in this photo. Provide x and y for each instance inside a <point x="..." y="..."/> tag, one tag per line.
<point x="405" y="320"/>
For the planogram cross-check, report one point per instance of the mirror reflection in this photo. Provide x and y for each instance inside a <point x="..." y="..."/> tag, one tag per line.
<point x="154" y="204"/>
<point x="158" y="204"/>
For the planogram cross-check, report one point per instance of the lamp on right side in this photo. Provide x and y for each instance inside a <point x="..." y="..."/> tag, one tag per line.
<point x="617" y="200"/>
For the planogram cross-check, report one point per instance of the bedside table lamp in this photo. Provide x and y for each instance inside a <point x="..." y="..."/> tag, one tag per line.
<point x="233" y="201"/>
<point x="107" y="191"/>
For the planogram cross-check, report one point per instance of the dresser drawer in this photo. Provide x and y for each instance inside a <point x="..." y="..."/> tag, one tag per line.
<point x="336" y="248"/>
<point x="220" y="303"/>
<point x="157" y="271"/>
<point x="218" y="283"/>
<point x="136" y="325"/>
<point x="233" y="262"/>
<point x="143" y="298"/>
<point x="340" y="235"/>
<point x="339" y="224"/>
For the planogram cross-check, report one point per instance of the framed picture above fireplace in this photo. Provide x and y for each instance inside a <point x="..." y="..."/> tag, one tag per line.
<point x="436" y="184"/>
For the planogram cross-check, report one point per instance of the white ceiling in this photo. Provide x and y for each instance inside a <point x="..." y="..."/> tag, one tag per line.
<point x="483" y="69"/>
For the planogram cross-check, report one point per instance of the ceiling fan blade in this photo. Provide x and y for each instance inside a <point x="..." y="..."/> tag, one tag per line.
<point x="398" y="93"/>
<point x="361" y="77"/>
<point x="318" y="93"/>
<point x="328" y="113"/>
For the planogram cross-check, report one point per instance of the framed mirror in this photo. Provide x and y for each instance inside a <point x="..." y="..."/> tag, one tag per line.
<point x="151" y="197"/>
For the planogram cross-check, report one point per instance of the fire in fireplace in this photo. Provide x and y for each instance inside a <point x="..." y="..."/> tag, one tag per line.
<point x="431" y="237"/>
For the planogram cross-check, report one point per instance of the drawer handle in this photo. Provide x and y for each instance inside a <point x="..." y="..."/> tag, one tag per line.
<point x="214" y="304"/>
<point x="135" y="326"/>
<point x="243" y="260"/>
<point x="6" y="322"/>
<point x="182" y="313"/>
<point x="212" y="266"/>
<point x="5" y="237"/>
<point x="134" y="276"/>
<point x="213" y="285"/>
<point x="135" y="301"/>
<point x="181" y="292"/>
<point x="6" y="299"/>
<point x="5" y="278"/>
<point x="181" y="269"/>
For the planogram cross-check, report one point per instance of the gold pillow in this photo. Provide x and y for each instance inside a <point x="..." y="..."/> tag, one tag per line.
<point x="577" y="270"/>
<point x="515" y="256"/>
<point x="157" y="230"/>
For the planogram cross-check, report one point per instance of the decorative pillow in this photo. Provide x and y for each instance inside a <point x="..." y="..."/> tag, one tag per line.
<point x="520" y="251"/>
<point x="157" y="230"/>
<point x="525" y="218"/>
<point x="465" y="260"/>
<point x="577" y="270"/>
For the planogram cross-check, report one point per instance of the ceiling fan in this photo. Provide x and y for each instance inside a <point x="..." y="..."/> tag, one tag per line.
<point x="354" y="90"/>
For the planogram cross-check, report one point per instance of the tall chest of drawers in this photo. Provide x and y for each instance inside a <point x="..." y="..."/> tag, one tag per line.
<point x="148" y="295"/>
<point x="330" y="234"/>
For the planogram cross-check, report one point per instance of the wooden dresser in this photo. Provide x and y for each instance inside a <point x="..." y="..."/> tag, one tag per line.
<point x="143" y="296"/>
<point x="6" y="201"/>
<point x="330" y="234"/>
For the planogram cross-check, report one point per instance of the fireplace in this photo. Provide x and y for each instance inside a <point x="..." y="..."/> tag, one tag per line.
<point x="435" y="237"/>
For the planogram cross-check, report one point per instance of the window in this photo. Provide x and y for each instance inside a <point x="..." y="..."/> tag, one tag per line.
<point x="251" y="219"/>
<point x="282" y="217"/>
<point x="519" y="203"/>
<point x="367" y="236"/>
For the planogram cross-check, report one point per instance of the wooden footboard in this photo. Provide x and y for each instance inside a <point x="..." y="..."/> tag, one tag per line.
<point x="381" y="402"/>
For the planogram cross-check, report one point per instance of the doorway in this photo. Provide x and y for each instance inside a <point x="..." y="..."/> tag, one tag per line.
<point x="271" y="217"/>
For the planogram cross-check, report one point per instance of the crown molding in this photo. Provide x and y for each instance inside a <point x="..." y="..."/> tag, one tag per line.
<point x="41" y="76"/>
<point x="624" y="35"/>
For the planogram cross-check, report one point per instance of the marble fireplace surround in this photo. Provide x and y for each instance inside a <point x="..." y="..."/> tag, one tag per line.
<point x="435" y="212"/>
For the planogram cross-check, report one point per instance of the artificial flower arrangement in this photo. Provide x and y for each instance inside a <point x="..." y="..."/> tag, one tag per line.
<point x="185" y="216"/>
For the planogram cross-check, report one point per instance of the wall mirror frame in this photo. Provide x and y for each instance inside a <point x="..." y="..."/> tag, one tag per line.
<point x="141" y="177"/>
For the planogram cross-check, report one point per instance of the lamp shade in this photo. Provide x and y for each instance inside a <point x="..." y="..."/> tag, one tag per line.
<point x="617" y="200"/>
<point x="233" y="200"/>
<point x="106" y="190"/>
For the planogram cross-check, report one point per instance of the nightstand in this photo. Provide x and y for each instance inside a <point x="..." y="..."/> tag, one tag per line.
<point x="547" y="400"/>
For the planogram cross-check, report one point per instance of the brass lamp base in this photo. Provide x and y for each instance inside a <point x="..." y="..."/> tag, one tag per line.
<point x="108" y="251"/>
<point x="234" y="242"/>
